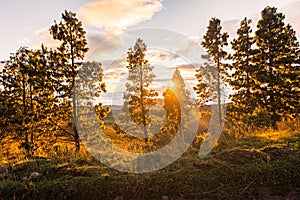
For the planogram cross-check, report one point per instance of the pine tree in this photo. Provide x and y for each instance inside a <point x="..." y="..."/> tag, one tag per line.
<point x="242" y="79"/>
<point x="214" y="42"/>
<point x="141" y="98"/>
<point x="6" y="111"/>
<point x="17" y="84"/>
<point x="89" y="86"/>
<point x="182" y="94"/>
<point x="28" y="90"/>
<point x="72" y="49"/>
<point x="179" y="88"/>
<point x="207" y="84"/>
<point x="174" y="114"/>
<point x="277" y="79"/>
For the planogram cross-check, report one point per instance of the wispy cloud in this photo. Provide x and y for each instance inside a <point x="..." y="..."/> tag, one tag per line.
<point x="188" y="67"/>
<point x="46" y="39"/>
<point x="25" y="41"/>
<point x="103" y="46"/>
<point x="115" y="16"/>
<point x="231" y="26"/>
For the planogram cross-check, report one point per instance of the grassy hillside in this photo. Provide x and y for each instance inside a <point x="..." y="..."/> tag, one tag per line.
<point x="264" y="166"/>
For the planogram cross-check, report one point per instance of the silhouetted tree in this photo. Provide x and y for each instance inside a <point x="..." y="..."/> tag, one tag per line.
<point x="72" y="49"/>
<point x="141" y="98"/>
<point x="173" y="111"/>
<point x="276" y="83"/>
<point x="29" y="93"/>
<point x="183" y="95"/>
<point x="214" y="42"/>
<point x="207" y="84"/>
<point x="90" y="85"/>
<point x="7" y="110"/>
<point x="242" y="79"/>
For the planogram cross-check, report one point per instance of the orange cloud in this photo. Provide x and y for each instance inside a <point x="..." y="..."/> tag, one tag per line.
<point x="46" y="39"/>
<point x="117" y="15"/>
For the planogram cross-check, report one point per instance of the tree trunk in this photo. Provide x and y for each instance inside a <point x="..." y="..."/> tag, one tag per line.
<point x="142" y="103"/>
<point x="73" y="68"/>
<point x="76" y="135"/>
<point x="76" y="140"/>
<point x="219" y="93"/>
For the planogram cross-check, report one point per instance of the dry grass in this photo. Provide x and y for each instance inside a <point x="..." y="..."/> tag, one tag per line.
<point x="264" y="163"/>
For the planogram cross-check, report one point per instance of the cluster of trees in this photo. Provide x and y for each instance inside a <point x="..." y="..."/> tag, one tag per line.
<point x="37" y="98"/>
<point x="140" y="98"/>
<point x="263" y="71"/>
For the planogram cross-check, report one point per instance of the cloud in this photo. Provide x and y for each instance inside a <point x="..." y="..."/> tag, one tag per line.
<point x="104" y="46"/>
<point x="114" y="64"/>
<point x="96" y="39"/>
<point x="291" y="11"/>
<point x="189" y="49"/>
<point x="231" y="26"/>
<point x="114" y="69"/>
<point x="46" y="39"/>
<point x="189" y="67"/>
<point x="156" y="55"/>
<point x="116" y="16"/>
<point x="25" y="41"/>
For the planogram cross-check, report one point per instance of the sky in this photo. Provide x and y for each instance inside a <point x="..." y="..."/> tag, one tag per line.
<point x="112" y="26"/>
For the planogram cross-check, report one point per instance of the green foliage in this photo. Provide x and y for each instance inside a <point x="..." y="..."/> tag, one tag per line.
<point x="72" y="35"/>
<point x="38" y="107"/>
<point x="233" y="172"/>
<point x="177" y="104"/>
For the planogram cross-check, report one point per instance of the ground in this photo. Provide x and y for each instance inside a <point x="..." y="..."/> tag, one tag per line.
<point x="265" y="166"/>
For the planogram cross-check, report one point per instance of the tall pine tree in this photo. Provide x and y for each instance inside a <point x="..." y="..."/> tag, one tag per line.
<point x="242" y="79"/>
<point x="89" y="86"/>
<point x="72" y="49"/>
<point x="140" y="97"/>
<point x="182" y="94"/>
<point x="207" y="84"/>
<point x="277" y="79"/>
<point x="29" y="93"/>
<point x="214" y="42"/>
